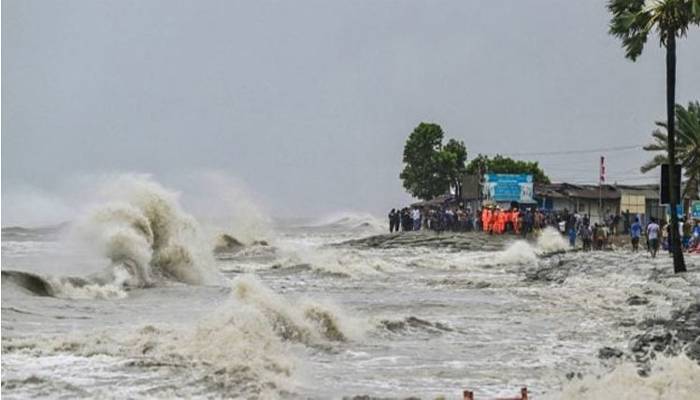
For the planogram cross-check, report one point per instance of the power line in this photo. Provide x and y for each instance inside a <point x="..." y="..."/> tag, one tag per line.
<point x="568" y="152"/>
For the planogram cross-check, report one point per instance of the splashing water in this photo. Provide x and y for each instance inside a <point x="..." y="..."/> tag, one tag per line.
<point x="550" y="240"/>
<point x="143" y="230"/>
<point x="670" y="378"/>
<point x="306" y="321"/>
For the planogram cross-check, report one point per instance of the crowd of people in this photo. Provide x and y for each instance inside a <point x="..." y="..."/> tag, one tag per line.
<point x="440" y="219"/>
<point x="523" y="221"/>
<point x="489" y="219"/>
<point x="658" y="235"/>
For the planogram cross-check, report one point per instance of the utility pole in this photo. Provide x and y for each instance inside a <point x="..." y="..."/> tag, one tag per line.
<point x="600" y="188"/>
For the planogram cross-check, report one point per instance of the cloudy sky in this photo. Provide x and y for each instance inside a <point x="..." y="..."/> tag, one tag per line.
<point x="308" y="103"/>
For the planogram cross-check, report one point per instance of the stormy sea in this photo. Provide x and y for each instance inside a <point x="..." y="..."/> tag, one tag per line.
<point x="137" y="298"/>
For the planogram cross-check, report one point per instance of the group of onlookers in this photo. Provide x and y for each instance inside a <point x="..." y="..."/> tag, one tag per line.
<point x="658" y="236"/>
<point x="593" y="236"/>
<point x="490" y="219"/>
<point x="437" y="219"/>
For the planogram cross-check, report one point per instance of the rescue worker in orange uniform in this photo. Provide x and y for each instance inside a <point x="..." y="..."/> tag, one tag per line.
<point x="493" y="221"/>
<point x="485" y="215"/>
<point x="515" y="219"/>
<point x="504" y="220"/>
<point x="495" y="217"/>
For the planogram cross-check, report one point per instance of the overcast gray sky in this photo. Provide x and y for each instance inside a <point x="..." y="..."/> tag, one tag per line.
<point x="309" y="102"/>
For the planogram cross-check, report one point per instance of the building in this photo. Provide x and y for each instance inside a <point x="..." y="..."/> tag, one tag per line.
<point x="596" y="201"/>
<point x="600" y="200"/>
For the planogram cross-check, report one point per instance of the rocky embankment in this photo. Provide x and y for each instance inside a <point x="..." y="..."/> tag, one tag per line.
<point x="679" y="333"/>
<point x="456" y="240"/>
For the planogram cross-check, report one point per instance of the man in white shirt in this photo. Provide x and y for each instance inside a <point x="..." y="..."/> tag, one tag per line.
<point x="653" y="236"/>
<point x="415" y="214"/>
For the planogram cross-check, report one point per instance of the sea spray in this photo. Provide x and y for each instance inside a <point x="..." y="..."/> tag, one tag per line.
<point x="351" y="221"/>
<point x="242" y="348"/>
<point x="144" y="231"/>
<point x="675" y="378"/>
<point x="226" y="205"/>
<point x="518" y="252"/>
<point x="550" y="240"/>
<point x="310" y="322"/>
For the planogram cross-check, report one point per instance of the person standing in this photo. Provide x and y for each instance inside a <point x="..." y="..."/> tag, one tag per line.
<point x="416" y="219"/>
<point x="586" y="234"/>
<point x="572" y="236"/>
<point x="635" y="233"/>
<point x="653" y="235"/>
<point x="392" y="220"/>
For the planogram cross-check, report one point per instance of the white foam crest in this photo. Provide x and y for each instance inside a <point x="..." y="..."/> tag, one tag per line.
<point x="670" y="378"/>
<point x="234" y="349"/>
<point x="143" y="229"/>
<point x="306" y="321"/>
<point x="550" y="240"/>
<point x="518" y="252"/>
<point x="226" y="205"/>
<point x="352" y="220"/>
<point x="66" y="290"/>
<point x="333" y="260"/>
<point x="522" y="252"/>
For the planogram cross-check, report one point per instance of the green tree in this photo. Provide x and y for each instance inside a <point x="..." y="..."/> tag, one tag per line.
<point x="687" y="146"/>
<point x="632" y="21"/>
<point x="454" y="163"/>
<point x="430" y="168"/>
<point x="506" y="165"/>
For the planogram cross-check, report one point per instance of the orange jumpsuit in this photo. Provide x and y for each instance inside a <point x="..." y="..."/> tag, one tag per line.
<point x="493" y="221"/>
<point x="485" y="215"/>
<point x="514" y="220"/>
<point x="500" y="221"/>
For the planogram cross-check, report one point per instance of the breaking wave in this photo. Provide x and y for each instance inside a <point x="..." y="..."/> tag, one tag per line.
<point x="142" y="235"/>
<point x="64" y="287"/>
<point x="352" y="221"/>
<point x="521" y="252"/>
<point x="670" y="378"/>
<point x="242" y="348"/>
<point x="146" y="233"/>
<point x="305" y="321"/>
<point x="550" y="240"/>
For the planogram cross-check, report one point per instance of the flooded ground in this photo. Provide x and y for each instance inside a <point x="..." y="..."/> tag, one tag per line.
<point x="317" y="310"/>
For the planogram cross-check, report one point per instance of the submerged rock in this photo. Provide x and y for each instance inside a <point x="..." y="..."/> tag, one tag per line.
<point x="414" y="323"/>
<point x="553" y="271"/>
<point x="227" y="244"/>
<point x="635" y="300"/>
<point x="679" y="333"/>
<point x="609" y="352"/>
<point x="456" y="240"/>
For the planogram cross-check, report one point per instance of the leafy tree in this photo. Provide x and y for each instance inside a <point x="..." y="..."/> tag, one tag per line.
<point x="687" y="146"/>
<point x="632" y="21"/>
<point x="453" y="161"/>
<point x="506" y="165"/>
<point x="430" y="168"/>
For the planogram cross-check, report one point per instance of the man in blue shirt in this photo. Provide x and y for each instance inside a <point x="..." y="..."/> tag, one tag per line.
<point x="635" y="233"/>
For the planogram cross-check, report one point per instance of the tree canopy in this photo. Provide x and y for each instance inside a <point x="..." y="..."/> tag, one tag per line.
<point x="687" y="143"/>
<point x="633" y="20"/>
<point x="506" y="165"/>
<point x="431" y="169"/>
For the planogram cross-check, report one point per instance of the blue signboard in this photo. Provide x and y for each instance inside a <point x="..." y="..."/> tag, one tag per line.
<point x="695" y="207"/>
<point x="508" y="187"/>
<point x="679" y="211"/>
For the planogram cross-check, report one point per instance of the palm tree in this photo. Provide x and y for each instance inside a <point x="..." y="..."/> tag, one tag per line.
<point x="687" y="147"/>
<point x="633" y="21"/>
